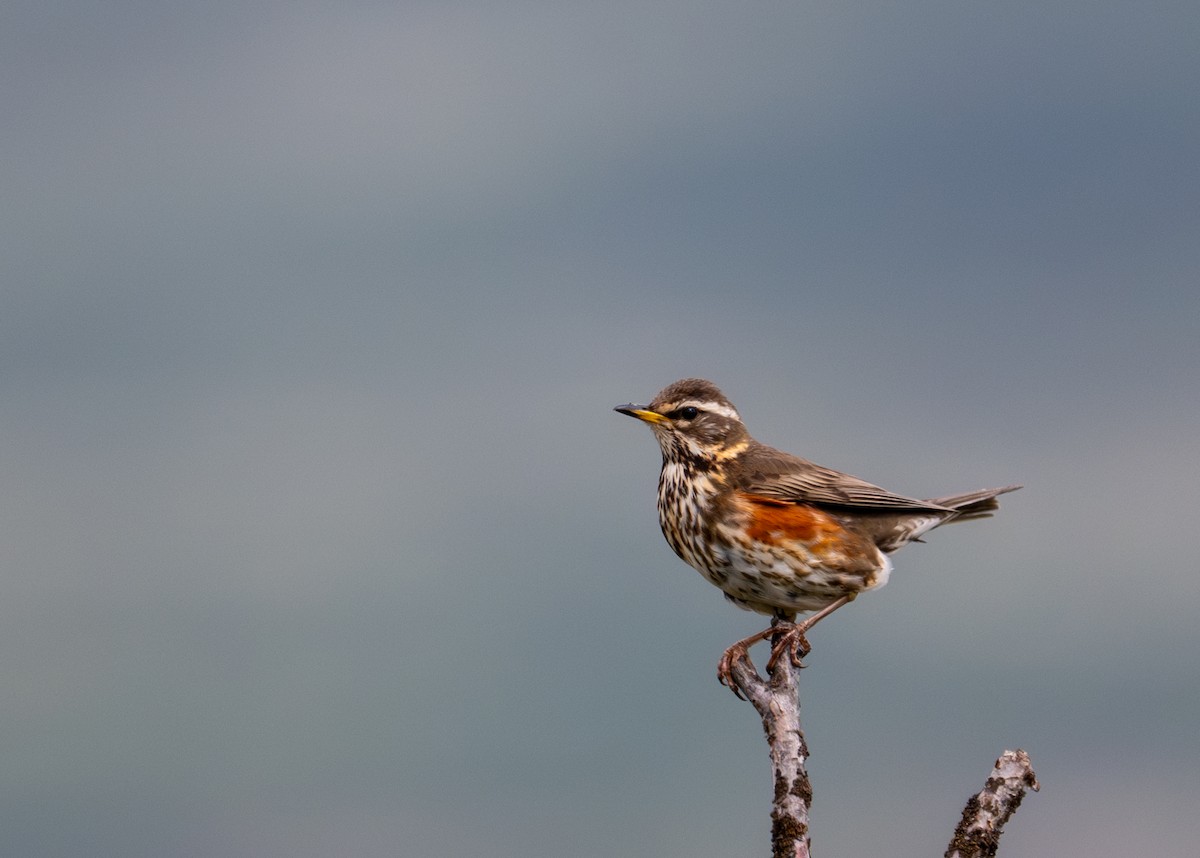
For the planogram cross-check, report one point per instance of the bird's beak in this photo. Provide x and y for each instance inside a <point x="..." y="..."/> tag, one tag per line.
<point x="641" y="413"/>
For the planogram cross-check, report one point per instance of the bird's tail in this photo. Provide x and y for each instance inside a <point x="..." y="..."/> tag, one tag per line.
<point x="972" y="505"/>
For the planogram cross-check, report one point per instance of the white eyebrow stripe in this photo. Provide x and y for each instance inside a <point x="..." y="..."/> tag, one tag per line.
<point x="711" y="407"/>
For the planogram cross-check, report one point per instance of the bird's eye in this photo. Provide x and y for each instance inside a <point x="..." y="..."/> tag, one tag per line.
<point x="688" y="413"/>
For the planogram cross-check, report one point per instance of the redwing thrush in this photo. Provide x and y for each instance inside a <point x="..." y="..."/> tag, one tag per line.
<point x="778" y="534"/>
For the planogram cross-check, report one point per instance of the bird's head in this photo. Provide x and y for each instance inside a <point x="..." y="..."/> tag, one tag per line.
<point x="692" y="419"/>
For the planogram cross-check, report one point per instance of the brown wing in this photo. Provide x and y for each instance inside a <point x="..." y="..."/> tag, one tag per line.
<point x="774" y="474"/>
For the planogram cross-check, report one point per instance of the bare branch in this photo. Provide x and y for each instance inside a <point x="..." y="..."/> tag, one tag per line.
<point x="983" y="819"/>
<point x="778" y="703"/>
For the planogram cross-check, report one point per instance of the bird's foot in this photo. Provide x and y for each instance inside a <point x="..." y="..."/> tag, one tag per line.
<point x="737" y="652"/>
<point x="791" y="640"/>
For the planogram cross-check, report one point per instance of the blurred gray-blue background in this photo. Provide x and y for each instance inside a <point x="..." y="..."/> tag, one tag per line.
<point x="319" y="534"/>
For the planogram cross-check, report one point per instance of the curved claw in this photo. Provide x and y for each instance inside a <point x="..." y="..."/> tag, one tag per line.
<point x="794" y="643"/>
<point x="740" y="651"/>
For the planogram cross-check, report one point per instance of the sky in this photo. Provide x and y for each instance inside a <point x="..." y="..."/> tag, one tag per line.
<point x="319" y="534"/>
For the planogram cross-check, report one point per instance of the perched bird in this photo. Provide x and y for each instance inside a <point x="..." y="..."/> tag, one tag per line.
<point x="778" y="534"/>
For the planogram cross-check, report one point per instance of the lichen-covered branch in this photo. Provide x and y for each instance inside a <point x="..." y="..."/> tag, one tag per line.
<point x="983" y="819"/>
<point x="778" y="703"/>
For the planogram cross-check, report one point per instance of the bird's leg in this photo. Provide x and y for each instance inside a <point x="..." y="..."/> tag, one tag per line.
<point x="787" y="636"/>
<point x="792" y="640"/>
